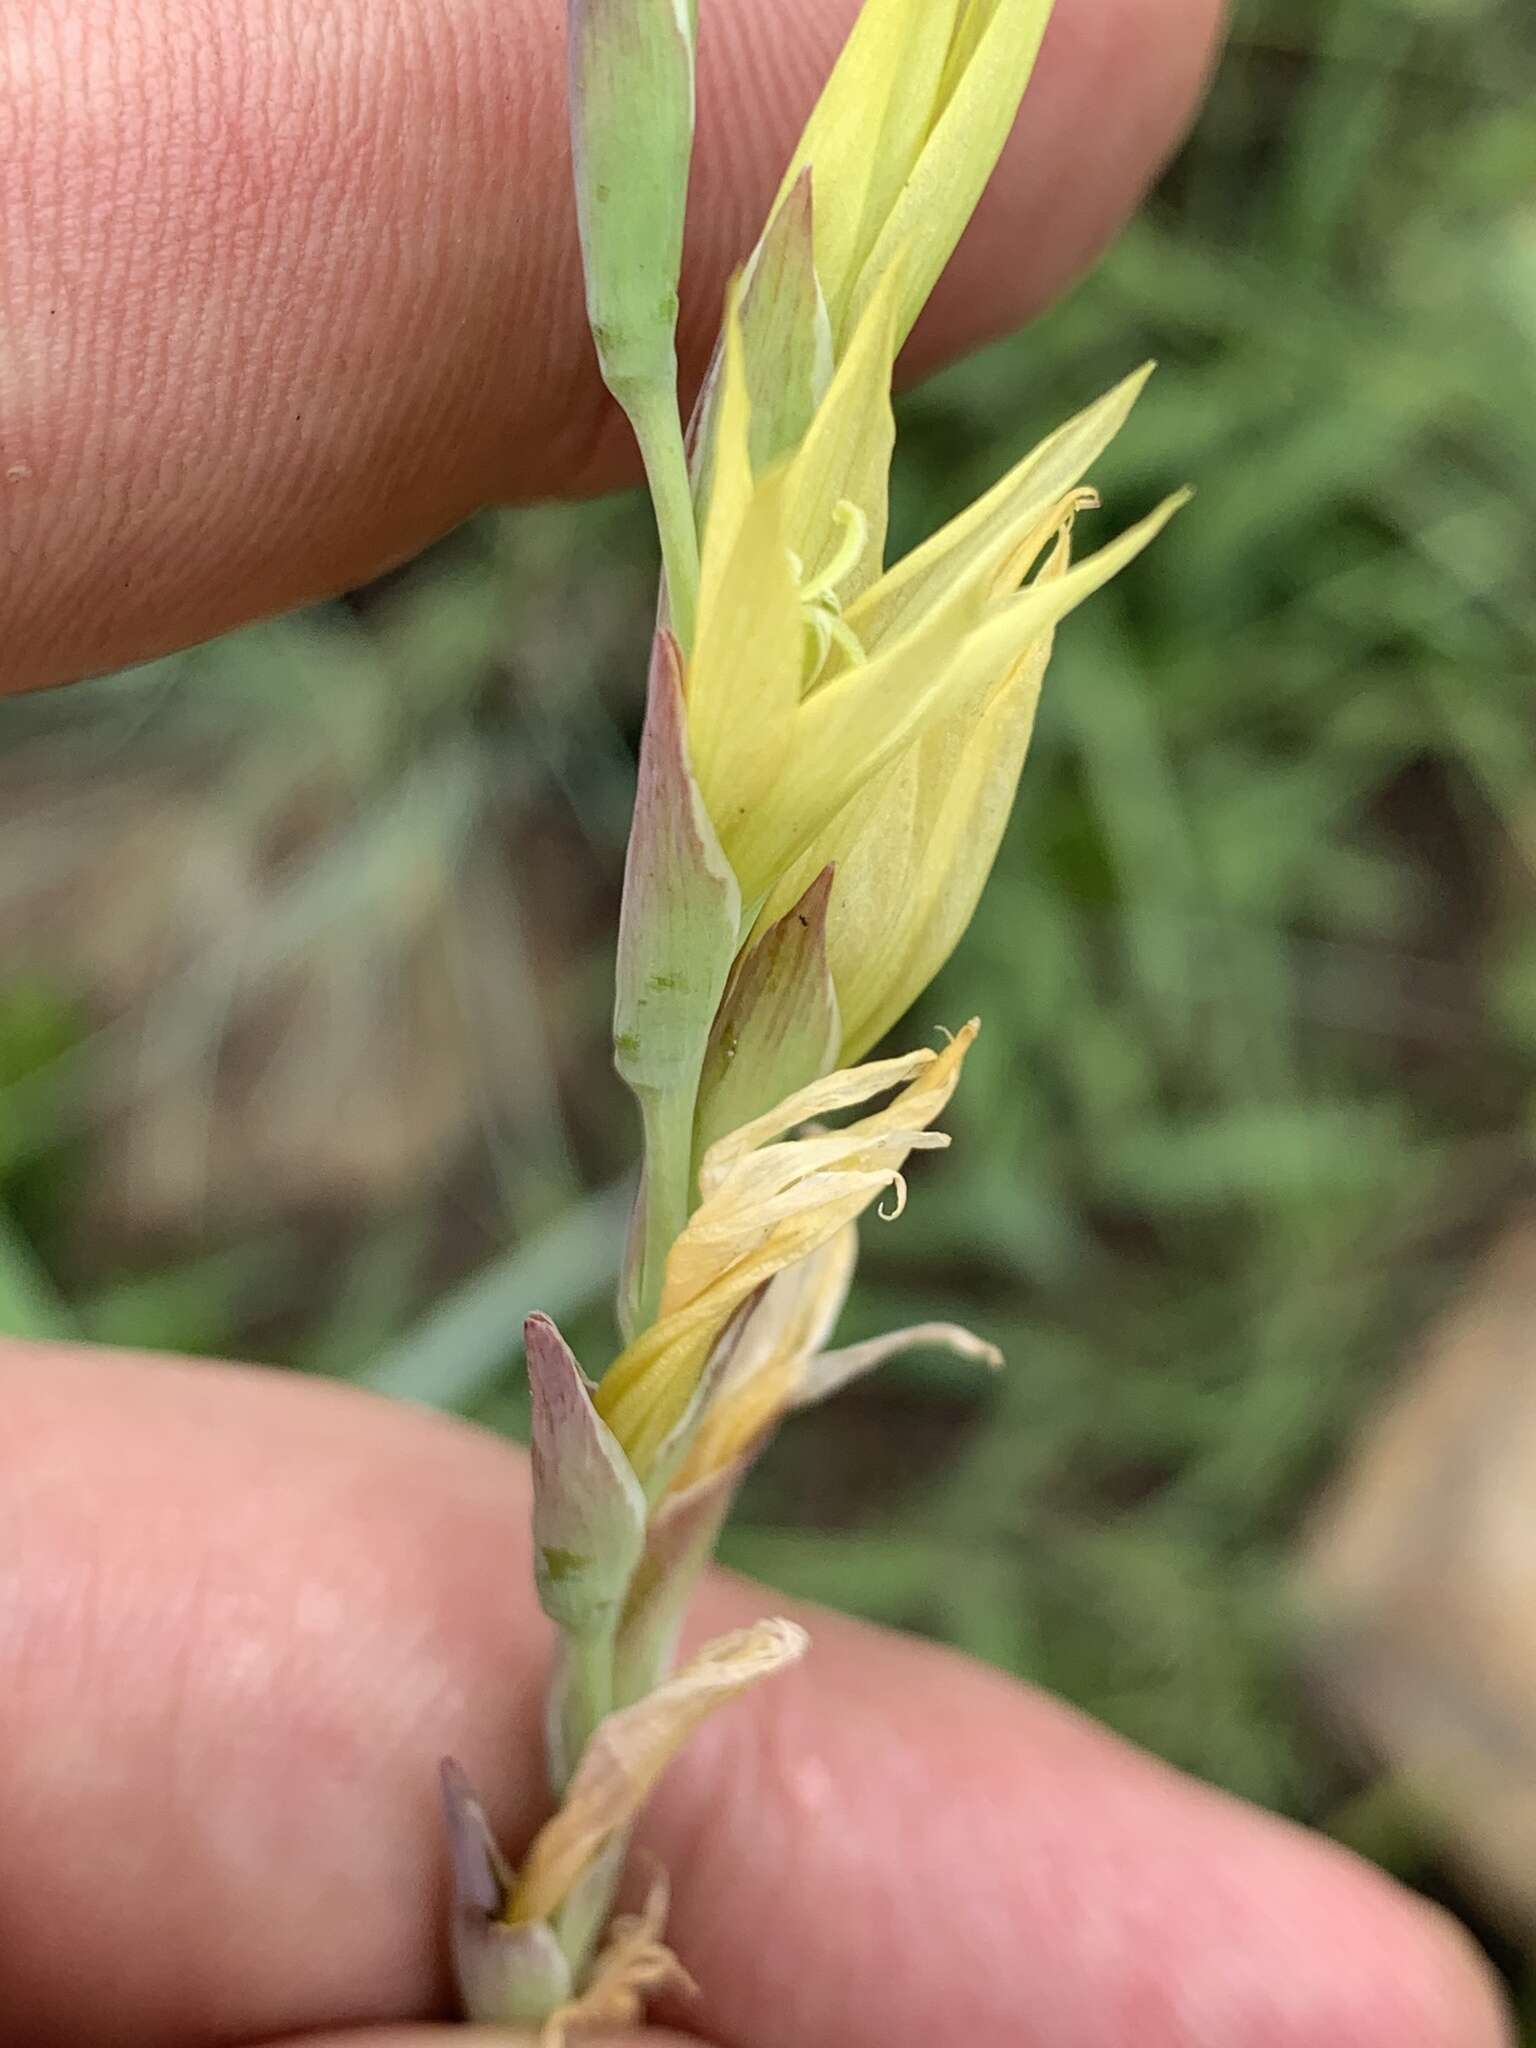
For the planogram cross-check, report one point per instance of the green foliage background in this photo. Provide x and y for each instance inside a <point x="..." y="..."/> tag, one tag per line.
<point x="305" y="936"/>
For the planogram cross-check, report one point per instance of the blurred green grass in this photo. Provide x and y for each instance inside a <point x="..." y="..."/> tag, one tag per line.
<point x="306" y="933"/>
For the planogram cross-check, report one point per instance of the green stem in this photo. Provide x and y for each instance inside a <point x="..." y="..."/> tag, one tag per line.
<point x="666" y="1199"/>
<point x="658" y="427"/>
<point x="586" y="1692"/>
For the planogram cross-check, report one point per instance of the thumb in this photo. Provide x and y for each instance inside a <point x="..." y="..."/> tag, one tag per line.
<point x="287" y="291"/>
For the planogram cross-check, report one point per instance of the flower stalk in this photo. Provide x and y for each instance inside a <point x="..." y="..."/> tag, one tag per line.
<point x="631" y="179"/>
<point x="831" y="748"/>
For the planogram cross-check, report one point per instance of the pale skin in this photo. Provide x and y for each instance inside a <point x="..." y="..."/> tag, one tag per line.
<point x="284" y="291"/>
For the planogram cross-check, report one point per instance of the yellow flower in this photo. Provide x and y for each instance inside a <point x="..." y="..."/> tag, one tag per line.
<point x="838" y="712"/>
<point x="813" y="671"/>
<point x="768" y="1202"/>
<point x="827" y="712"/>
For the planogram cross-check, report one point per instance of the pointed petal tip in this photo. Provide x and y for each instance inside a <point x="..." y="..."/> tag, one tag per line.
<point x="667" y="651"/>
<point x="800" y="197"/>
<point x="813" y="904"/>
<point x="554" y="1371"/>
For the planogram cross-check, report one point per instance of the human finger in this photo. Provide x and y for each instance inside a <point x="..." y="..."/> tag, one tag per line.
<point x="286" y="292"/>
<point x="244" y="1614"/>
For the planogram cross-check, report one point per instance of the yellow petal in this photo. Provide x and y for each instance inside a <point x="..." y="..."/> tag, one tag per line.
<point x="880" y="846"/>
<point x="867" y="132"/>
<point x="1013" y="508"/>
<point x="629" y="1752"/>
<point x="973" y="798"/>
<point x="975" y="19"/>
<point x="743" y="681"/>
<point x="850" y="728"/>
<point x="846" y="731"/>
<point x="787" y="335"/>
<point x="890" y="935"/>
<point x="730" y="484"/>
<point x="874" y="848"/>
<point x="992" y="61"/>
<point x="846" y="453"/>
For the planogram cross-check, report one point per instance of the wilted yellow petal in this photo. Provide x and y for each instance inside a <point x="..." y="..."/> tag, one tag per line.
<point x="633" y="1963"/>
<point x="927" y="1096"/>
<point x="629" y="1752"/>
<point x="784" y="1332"/>
<point x="826" y="1097"/>
<point x="768" y="1203"/>
<point x="829" y="1373"/>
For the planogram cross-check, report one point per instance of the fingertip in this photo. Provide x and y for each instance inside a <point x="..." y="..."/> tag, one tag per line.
<point x="1388" y="1968"/>
<point x="1024" y="1874"/>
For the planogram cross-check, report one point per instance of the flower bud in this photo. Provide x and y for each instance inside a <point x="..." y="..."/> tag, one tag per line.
<point x="588" y="1509"/>
<point x="632" y="108"/>
<point x="506" y="1975"/>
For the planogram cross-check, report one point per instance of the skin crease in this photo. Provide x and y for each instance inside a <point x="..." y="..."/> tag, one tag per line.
<point x="288" y="287"/>
<point x="274" y="310"/>
<point x="243" y="1614"/>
